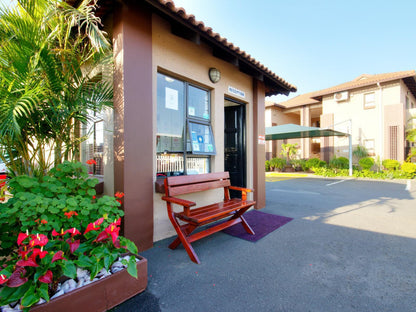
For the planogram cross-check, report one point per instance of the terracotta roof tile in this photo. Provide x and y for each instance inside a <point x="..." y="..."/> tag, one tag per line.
<point x="190" y="19"/>
<point x="359" y="82"/>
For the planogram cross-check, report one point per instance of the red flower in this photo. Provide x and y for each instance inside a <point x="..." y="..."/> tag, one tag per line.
<point x="119" y="194"/>
<point x="73" y="245"/>
<point x="39" y="252"/>
<point x="58" y="256"/>
<point x="27" y="263"/>
<point x="94" y="197"/>
<point x="16" y="279"/>
<point x="38" y="240"/>
<point x="70" y="214"/>
<point x="91" y="162"/>
<point x="21" y="238"/>
<point x="94" y="226"/>
<point x="47" y="277"/>
<point x="113" y="229"/>
<point x="3" y="279"/>
<point x="73" y="232"/>
<point x="43" y="221"/>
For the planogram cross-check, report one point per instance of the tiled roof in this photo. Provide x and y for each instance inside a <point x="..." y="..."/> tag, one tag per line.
<point x="199" y="26"/>
<point x="359" y="82"/>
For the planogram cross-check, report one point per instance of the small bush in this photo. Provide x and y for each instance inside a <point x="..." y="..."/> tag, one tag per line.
<point x="315" y="162"/>
<point x="278" y="163"/>
<point x="267" y="165"/>
<point x="366" y="163"/>
<point x="391" y="164"/>
<point x="339" y="163"/>
<point x="298" y="164"/>
<point x="409" y="169"/>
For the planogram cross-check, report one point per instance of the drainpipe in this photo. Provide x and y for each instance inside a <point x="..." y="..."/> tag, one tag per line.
<point x="381" y="123"/>
<point x="350" y="149"/>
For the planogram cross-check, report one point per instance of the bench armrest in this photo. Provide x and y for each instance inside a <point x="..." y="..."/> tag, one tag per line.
<point x="179" y="201"/>
<point x="243" y="191"/>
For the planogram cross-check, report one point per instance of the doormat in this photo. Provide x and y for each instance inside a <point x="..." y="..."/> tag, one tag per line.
<point x="262" y="224"/>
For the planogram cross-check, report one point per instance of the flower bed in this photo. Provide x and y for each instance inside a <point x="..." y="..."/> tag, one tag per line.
<point x="54" y="228"/>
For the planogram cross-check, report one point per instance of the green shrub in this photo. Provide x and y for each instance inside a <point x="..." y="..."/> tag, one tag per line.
<point x="360" y="152"/>
<point x="298" y="164"/>
<point x="67" y="189"/>
<point x="409" y="169"/>
<point x="315" y="162"/>
<point x="267" y="165"/>
<point x="339" y="163"/>
<point x="366" y="163"/>
<point x="278" y="163"/>
<point x="391" y="164"/>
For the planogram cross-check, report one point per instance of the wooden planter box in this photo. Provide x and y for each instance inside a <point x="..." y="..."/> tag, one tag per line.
<point x="101" y="295"/>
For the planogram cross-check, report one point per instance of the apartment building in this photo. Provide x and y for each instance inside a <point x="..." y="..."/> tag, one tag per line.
<point x="375" y="109"/>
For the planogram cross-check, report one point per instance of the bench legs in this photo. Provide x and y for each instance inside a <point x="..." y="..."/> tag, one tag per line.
<point x="184" y="232"/>
<point x="182" y="238"/>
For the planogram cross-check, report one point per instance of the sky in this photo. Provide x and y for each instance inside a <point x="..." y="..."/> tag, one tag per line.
<point x="315" y="44"/>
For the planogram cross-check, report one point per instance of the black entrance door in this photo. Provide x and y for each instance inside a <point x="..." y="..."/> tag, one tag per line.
<point x="235" y="144"/>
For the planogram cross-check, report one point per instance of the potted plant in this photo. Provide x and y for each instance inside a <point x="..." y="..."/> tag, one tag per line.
<point x="54" y="228"/>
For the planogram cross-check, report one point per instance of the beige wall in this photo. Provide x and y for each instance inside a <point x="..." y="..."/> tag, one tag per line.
<point x="372" y="123"/>
<point x="190" y="62"/>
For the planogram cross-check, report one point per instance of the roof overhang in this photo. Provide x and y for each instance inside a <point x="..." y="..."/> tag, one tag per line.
<point x="291" y="131"/>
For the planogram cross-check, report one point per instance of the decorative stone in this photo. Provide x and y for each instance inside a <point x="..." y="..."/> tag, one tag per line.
<point x="69" y="285"/>
<point x="58" y="293"/>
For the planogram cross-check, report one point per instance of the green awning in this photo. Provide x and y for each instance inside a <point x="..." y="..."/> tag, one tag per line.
<point x="291" y="131"/>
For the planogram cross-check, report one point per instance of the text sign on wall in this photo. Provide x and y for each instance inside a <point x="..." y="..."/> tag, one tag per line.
<point x="262" y="139"/>
<point x="237" y="92"/>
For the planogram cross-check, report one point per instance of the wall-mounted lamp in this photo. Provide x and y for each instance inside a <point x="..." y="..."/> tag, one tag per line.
<point x="214" y="75"/>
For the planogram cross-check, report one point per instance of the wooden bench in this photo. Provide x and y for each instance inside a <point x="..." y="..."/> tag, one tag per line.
<point x="234" y="208"/>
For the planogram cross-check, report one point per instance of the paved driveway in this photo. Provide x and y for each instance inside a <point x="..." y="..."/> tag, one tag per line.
<point x="350" y="247"/>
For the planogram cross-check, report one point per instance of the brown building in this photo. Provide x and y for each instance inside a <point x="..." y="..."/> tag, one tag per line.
<point x="171" y="117"/>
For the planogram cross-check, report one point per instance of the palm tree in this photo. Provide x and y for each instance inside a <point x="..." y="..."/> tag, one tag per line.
<point x="53" y="59"/>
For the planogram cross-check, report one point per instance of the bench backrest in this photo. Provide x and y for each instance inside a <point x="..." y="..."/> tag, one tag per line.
<point x="186" y="184"/>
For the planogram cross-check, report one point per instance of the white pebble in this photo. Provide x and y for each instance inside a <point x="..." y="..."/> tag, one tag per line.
<point x="69" y="285"/>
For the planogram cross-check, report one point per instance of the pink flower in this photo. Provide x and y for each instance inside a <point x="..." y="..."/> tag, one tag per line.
<point x="47" y="277"/>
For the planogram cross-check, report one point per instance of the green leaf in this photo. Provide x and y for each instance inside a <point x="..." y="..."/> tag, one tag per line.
<point x="69" y="269"/>
<point x="91" y="192"/>
<point x="8" y="294"/>
<point x="30" y="297"/>
<point x="132" y="267"/>
<point x="129" y="244"/>
<point x="84" y="261"/>
<point x="43" y="291"/>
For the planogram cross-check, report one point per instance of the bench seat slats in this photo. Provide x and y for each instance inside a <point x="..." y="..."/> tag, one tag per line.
<point x="203" y="214"/>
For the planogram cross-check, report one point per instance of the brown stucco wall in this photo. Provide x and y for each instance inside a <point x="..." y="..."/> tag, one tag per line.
<point x="133" y="127"/>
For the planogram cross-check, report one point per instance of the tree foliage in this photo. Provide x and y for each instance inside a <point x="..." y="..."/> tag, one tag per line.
<point x="52" y="57"/>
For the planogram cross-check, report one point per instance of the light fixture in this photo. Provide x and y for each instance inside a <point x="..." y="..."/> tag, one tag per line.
<point x="214" y="75"/>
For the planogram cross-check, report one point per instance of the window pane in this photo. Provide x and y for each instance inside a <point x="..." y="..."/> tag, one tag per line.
<point x="369" y="100"/>
<point x="197" y="165"/>
<point x="198" y="103"/>
<point x="202" y="140"/>
<point x="169" y="164"/>
<point x="170" y="114"/>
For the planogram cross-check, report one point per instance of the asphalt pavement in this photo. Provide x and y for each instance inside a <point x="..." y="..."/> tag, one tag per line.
<point x="350" y="247"/>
